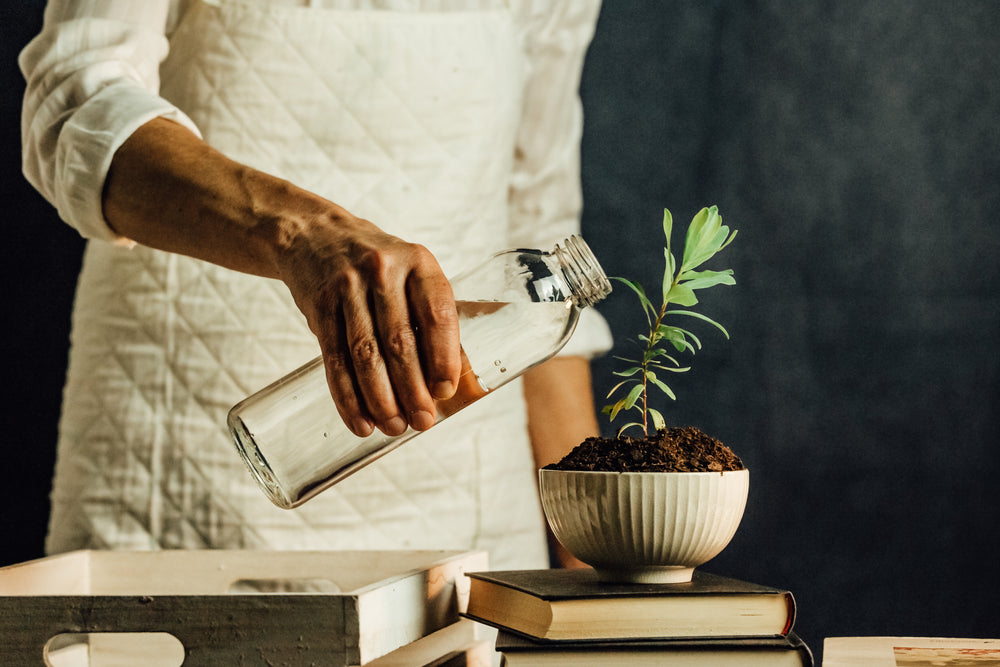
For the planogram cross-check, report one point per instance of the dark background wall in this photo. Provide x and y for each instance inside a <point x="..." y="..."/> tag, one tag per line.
<point x="41" y="257"/>
<point x="856" y="147"/>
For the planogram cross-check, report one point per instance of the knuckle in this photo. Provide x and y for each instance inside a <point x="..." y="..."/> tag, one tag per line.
<point x="337" y="363"/>
<point x="365" y="355"/>
<point x="400" y="342"/>
<point x="321" y="306"/>
<point x="440" y="315"/>
<point x="338" y="285"/>
<point x="323" y="309"/>
<point x="421" y="255"/>
<point x="378" y="263"/>
<point x="423" y="260"/>
<point x="441" y="312"/>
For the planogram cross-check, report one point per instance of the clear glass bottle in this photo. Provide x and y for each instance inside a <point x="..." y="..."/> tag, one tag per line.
<point x="515" y="310"/>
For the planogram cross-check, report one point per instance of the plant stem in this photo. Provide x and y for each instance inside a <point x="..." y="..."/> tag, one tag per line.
<point x="654" y="338"/>
<point x="645" y="393"/>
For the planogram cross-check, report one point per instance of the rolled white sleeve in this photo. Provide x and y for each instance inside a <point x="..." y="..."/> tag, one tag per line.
<point x="92" y="79"/>
<point x="545" y="192"/>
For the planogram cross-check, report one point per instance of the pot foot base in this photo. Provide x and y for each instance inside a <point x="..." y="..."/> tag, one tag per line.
<point x="646" y="575"/>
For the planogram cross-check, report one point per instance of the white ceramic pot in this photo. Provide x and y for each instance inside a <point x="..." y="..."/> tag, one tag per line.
<point x="644" y="527"/>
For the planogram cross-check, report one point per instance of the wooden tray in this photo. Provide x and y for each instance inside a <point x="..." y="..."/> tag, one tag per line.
<point x="232" y="607"/>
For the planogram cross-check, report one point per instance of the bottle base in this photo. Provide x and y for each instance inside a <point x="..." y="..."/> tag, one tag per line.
<point x="257" y="464"/>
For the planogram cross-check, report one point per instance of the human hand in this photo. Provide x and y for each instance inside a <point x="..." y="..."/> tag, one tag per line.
<point x="385" y="318"/>
<point x="381" y="308"/>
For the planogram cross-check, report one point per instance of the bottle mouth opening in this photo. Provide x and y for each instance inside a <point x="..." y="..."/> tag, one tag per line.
<point x="583" y="272"/>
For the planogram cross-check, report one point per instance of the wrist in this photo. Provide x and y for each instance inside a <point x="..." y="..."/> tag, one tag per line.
<point x="283" y="220"/>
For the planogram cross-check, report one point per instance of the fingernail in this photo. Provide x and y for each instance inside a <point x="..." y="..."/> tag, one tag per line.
<point x="395" y="426"/>
<point x="444" y="389"/>
<point x="363" y="427"/>
<point x="421" y="420"/>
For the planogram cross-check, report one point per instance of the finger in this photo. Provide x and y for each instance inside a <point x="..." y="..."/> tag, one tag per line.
<point x="398" y="339"/>
<point x="340" y="375"/>
<point x="432" y="309"/>
<point x="370" y="371"/>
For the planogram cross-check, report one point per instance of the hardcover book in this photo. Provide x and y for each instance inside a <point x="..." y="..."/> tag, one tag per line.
<point x="788" y="651"/>
<point x="572" y="605"/>
<point x="910" y="652"/>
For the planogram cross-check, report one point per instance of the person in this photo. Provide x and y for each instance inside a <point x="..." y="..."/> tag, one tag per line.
<point x="246" y="172"/>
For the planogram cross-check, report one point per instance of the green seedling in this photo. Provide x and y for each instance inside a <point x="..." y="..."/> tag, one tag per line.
<point x="706" y="236"/>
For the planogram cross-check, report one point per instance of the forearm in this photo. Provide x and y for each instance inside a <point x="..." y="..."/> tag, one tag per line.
<point x="169" y="190"/>
<point x="560" y="416"/>
<point x="560" y="407"/>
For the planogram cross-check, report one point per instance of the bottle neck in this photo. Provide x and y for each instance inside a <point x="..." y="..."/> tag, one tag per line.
<point x="582" y="272"/>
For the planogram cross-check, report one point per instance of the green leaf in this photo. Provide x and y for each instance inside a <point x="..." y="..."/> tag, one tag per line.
<point x="662" y="387"/>
<point x="709" y="248"/>
<point x="678" y="339"/>
<point x="633" y="396"/>
<point x="660" y="352"/>
<point x="637" y="288"/>
<point x="729" y="240"/>
<point x="613" y="409"/>
<point x="658" y="422"/>
<point x="701" y="231"/>
<point x="617" y="386"/>
<point x="629" y="425"/>
<point x="682" y="295"/>
<point x="631" y="361"/>
<point x="628" y="373"/>
<point x="684" y="346"/>
<point x="677" y="335"/>
<point x="668" y="226"/>
<point x="674" y="369"/>
<point x="706" y="236"/>
<point x="695" y="341"/>
<point x="696" y="229"/>
<point x="661" y="367"/>
<point x="704" y="279"/>
<point x="706" y="318"/>
<point x="668" y="273"/>
<point x="668" y="256"/>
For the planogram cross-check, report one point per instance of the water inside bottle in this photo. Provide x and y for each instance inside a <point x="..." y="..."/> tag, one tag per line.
<point x="498" y="337"/>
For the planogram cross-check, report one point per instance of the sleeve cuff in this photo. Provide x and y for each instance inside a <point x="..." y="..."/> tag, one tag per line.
<point x="87" y="144"/>
<point x="592" y="337"/>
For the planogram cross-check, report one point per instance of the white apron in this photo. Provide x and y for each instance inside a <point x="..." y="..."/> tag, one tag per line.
<point x="406" y="119"/>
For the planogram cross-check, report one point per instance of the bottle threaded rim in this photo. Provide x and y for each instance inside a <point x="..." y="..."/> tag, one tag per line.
<point x="583" y="272"/>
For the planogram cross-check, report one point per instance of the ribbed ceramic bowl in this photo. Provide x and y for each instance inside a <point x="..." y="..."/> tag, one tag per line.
<point x="644" y="527"/>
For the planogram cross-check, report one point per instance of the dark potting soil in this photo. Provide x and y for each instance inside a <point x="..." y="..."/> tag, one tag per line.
<point x="683" y="449"/>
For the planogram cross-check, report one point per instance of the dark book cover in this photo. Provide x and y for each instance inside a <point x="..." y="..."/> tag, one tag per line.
<point x="508" y="642"/>
<point x="572" y="604"/>
<point x="566" y="584"/>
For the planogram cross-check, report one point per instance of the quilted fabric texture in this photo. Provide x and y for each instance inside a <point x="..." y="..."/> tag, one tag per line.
<point x="407" y="119"/>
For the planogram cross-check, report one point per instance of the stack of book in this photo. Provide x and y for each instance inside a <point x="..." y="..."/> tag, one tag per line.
<point x="567" y="617"/>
